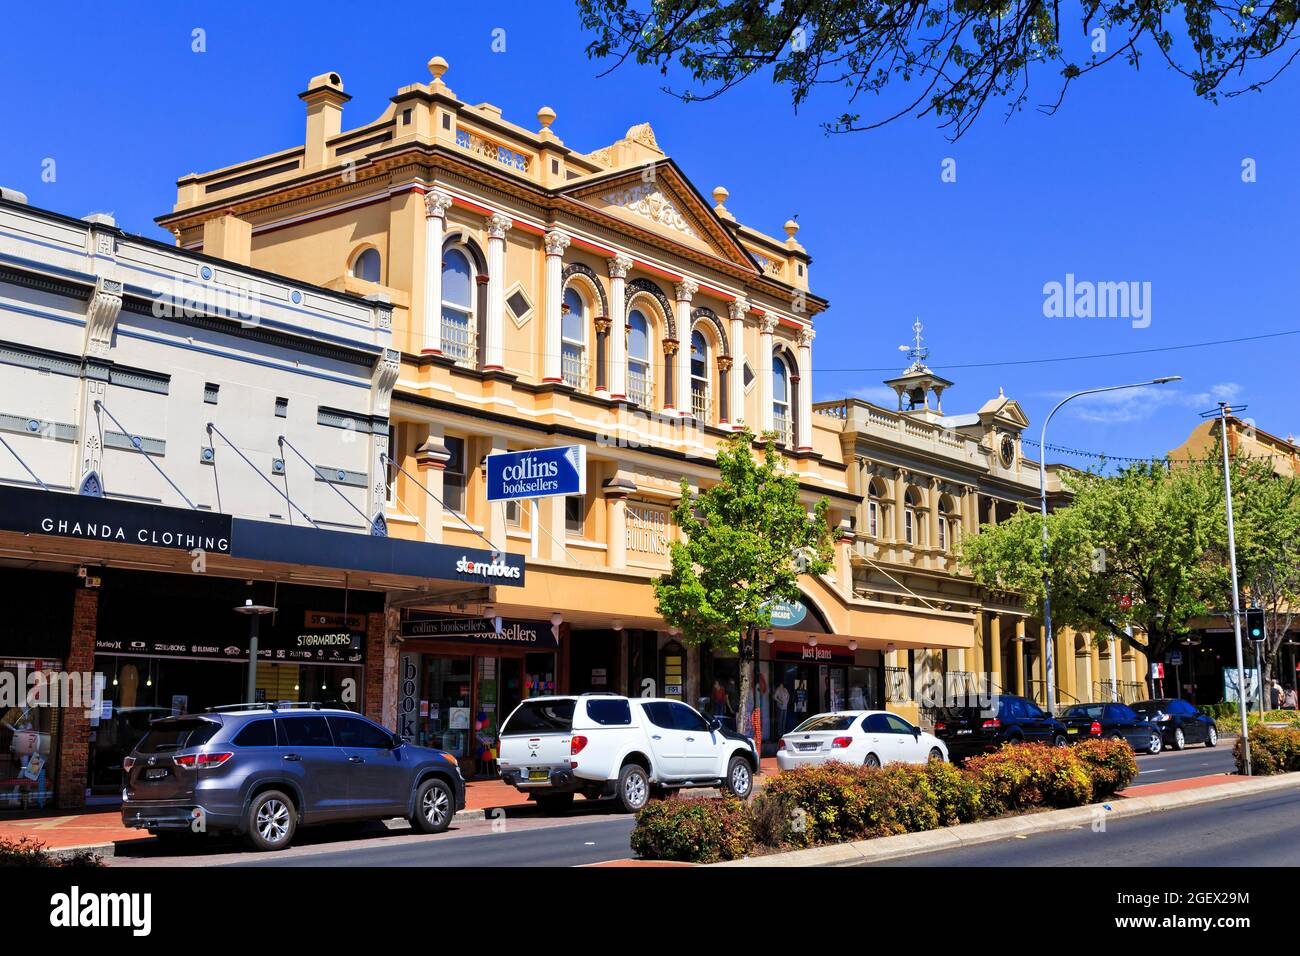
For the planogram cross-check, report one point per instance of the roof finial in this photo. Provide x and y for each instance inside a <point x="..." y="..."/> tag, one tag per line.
<point x="917" y="352"/>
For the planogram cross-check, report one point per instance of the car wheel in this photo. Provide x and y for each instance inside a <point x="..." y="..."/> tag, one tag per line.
<point x="1059" y="741"/>
<point x="871" y="761"/>
<point x="936" y="755"/>
<point x="1157" y="743"/>
<point x="633" y="788"/>
<point x="433" y="807"/>
<point x="272" y="820"/>
<point x="1211" y="736"/>
<point x="740" y="778"/>
<point x="555" y="802"/>
<point x="1180" y="741"/>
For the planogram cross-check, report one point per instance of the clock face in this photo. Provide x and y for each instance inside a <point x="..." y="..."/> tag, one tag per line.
<point x="1007" y="450"/>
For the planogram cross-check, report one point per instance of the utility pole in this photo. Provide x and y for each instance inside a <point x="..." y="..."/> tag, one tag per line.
<point x="1222" y="414"/>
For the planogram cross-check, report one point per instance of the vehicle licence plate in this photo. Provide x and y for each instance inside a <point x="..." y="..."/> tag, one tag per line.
<point x="538" y="775"/>
<point x="1073" y="730"/>
<point x="156" y="774"/>
<point x="966" y="731"/>
<point x="807" y="746"/>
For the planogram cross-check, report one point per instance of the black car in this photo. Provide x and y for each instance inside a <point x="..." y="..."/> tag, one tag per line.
<point x="968" y="731"/>
<point x="1115" y="722"/>
<point x="1180" y="723"/>
<point x="263" y="770"/>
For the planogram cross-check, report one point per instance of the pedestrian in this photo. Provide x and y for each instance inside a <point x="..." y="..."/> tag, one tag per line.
<point x="1289" y="701"/>
<point x="1275" y="692"/>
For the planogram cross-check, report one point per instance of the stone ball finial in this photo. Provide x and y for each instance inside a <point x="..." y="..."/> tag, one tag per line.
<point x="438" y="66"/>
<point x="791" y="227"/>
<point x="546" y="116"/>
<point x="720" y="194"/>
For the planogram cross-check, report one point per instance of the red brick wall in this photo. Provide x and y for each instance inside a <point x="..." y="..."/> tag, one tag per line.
<point x="74" y="726"/>
<point x="373" y="700"/>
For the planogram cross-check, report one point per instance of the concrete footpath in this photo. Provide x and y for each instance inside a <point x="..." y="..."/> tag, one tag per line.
<point x="1136" y="801"/>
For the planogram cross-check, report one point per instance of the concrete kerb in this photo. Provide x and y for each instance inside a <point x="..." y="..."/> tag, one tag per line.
<point x="989" y="831"/>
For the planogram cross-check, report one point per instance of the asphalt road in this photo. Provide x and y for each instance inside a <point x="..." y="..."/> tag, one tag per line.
<point x="1262" y="830"/>
<point x="594" y="833"/>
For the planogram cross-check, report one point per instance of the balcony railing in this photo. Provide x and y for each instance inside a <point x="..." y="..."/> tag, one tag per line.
<point x="781" y="425"/>
<point x="458" y="339"/>
<point x="573" y="366"/>
<point x="481" y="146"/>
<point x="897" y="685"/>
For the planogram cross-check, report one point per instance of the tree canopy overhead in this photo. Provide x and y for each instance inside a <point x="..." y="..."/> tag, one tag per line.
<point x="949" y="58"/>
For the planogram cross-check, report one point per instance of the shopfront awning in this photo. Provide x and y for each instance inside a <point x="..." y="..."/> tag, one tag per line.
<point x="93" y="529"/>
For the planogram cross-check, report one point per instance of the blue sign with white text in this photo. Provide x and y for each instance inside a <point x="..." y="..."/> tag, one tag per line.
<point x="537" y="473"/>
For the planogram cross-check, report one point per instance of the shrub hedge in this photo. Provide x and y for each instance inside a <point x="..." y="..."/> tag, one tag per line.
<point x="1272" y="750"/>
<point x="838" y="803"/>
<point x="28" y="852"/>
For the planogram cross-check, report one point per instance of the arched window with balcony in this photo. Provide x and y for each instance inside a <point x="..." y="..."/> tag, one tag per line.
<point x="573" y="339"/>
<point x="459" y="324"/>
<point x="366" y="265"/>
<point x="701" y="406"/>
<point x="782" y="400"/>
<point x="640" y="386"/>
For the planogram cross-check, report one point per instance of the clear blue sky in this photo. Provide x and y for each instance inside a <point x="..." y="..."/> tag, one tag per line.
<point x="1133" y="180"/>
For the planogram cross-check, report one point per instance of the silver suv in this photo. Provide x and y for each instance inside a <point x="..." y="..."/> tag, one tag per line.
<point x="263" y="770"/>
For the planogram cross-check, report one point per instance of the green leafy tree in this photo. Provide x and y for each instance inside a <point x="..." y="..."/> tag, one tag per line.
<point x="745" y="541"/>
<point x="947" y="58"/>
<point x="1133" y="548"/>
<point x="1266" y="520"/>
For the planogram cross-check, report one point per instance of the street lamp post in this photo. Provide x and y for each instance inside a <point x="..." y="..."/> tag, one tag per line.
<point x="1042" y="497"/>
<point x="254" y="613"/>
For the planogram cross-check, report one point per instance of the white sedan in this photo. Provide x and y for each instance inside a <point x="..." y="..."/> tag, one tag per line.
<point x="872" y="738"/>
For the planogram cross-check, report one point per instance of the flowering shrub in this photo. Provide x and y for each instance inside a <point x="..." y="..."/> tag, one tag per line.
<point x="1112" y="764"/>
<point x="26" y="851"/>
<point x="1272" y="750"/>
<point x="694" y="830"/>
<point x="1023" y="777"/>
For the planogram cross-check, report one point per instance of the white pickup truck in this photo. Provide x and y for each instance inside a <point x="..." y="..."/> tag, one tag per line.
<point x="628" y="748"/>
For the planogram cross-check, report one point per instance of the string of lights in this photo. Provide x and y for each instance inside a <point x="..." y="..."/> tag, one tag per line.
<point x="1160" y="459"/>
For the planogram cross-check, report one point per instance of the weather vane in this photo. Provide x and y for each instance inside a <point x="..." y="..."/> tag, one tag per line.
<point x="917" y="352"/>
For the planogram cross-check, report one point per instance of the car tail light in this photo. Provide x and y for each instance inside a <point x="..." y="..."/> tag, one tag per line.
<point x="128" y="763"/>
<point x="840" y="742"/>
<point x="991" y="724"/>
<point x="1095" y="729"/>
<point x="781" y="744"/>
<point x="940" y="725"/>
<point x="576" y="744"/>
<point x="203" y="760"/>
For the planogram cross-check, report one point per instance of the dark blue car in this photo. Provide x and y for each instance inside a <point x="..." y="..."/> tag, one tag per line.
<point x="1114" y="722"/>
<point x="264" y="770"/>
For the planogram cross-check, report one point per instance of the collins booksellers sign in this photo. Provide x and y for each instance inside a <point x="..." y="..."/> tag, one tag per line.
<point x="483" y="630"/>
<point x="539" y="473"/>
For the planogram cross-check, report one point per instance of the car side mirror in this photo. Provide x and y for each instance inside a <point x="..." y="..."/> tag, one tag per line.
<point x="916" y="732"/>
<point x="715" y="723"/>
<point x="398" y="740"/>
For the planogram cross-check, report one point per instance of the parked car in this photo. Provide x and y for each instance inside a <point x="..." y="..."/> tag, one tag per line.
<point x="606" y="745"/>
<point x="264" y="770"/>
<point x="969" y="731"/>
<point x="1180" y="723"/>
<point x="1113" y="721"/>
<point x="868" y="737"/>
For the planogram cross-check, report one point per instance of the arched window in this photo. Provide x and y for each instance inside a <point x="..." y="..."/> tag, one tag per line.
<point x="366" y="265"/>
<point x="781" y="417"/>
<point x="873" y="509"/>
<point x="910" y="534"/>
<point x="944" y="528"/>
<point x="638" y="358"/>
<point x="573" y="339"/>
<point x="458" y="325"/>
<point x="700" y="376"/>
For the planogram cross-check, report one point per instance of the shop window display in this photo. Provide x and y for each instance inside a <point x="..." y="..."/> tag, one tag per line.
<point x="28" y="737"/>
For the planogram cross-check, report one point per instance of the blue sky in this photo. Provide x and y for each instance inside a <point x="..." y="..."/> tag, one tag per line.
<point x="1133" y="180"/>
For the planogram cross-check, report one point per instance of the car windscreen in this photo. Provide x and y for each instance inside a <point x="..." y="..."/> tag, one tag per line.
<point x="540" y="717"/>
<point x="826" y="722"/>
<point x="171" y="735"/>
<point x="1092" y="711"/>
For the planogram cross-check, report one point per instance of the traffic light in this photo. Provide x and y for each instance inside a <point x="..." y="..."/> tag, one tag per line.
<point x="1255" y="623"/>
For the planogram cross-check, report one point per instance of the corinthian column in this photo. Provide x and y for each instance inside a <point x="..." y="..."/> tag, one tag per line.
<point x="436" y="205"/>
<point x="803" y="441"/>
<point x="494" y="339"/>
<point x="737" y="381"/>
<point x="767" y="325"/>
<point x="686" y="290"/>
<point x="618" y="270"/>
<point x="556" y="242"/>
